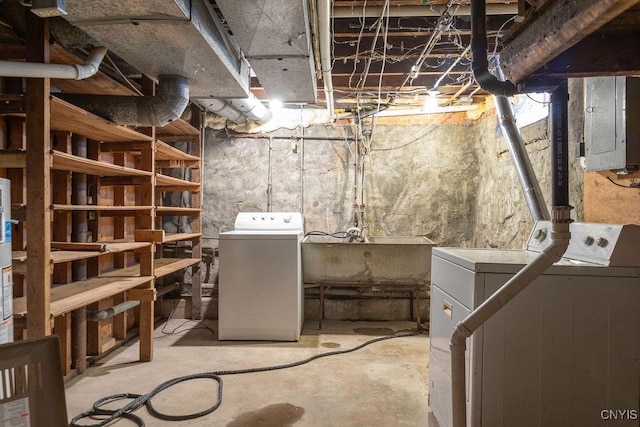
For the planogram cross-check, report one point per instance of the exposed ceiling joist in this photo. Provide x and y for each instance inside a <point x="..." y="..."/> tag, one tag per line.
<point x="559" y="26"/>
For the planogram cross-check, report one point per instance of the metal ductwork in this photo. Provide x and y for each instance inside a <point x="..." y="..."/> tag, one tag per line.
<point x="275" y="38"/>
<point x="55" y="71"/>
<point x="170" y="100"/>
<point x="167" y="37"/>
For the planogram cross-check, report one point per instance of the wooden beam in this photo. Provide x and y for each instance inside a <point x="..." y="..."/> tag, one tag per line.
<point x="38" y="183"/>
<point x="594" y="56"/>
<point x="559" y="26"/>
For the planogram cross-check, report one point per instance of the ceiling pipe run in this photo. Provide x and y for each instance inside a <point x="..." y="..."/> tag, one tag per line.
<point x="560" y="236"/>
<point x="55" y="71"/>
<point x="168" y="104"/>
<point x="324" y="32"/>
<point x="479" y="47"/>
<point x="408" y="11"/>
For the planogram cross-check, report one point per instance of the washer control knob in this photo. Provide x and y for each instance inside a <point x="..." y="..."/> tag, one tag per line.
<point x="602" y="242"/>
<point x="287" y="219"/>
<point x="588" y="240"/>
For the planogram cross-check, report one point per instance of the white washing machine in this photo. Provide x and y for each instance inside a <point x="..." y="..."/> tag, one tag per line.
<point x="260" y="292"/>
<point x="564" y="352"/>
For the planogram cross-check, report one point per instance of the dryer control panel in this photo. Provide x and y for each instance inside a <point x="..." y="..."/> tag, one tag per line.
<point x="603" y="244"/>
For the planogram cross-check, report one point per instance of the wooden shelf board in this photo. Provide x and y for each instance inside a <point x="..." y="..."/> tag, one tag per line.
<point x="100" y="208"/>
<point x="73" y="163"/>
<point x="178" y="127"/>
<point x="175" y="211"/>
<point x="98" y="84"/>
<point x="66" y="298"/>
<point x="168" y="238"/>
<point x="162" y="267"/>
<point x="19" y="258"/>
<point x="169" y="183"/>
<point x="68" y="117"/>
<point x="13" y="159"/>
<point x="165" y="151"/>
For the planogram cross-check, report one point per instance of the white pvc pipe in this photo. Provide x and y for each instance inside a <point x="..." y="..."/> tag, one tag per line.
<point x="55" y="71"/>
<point x="324" y="32"/>
<point x="560" y="236"/>
<point x="406" y="11"/>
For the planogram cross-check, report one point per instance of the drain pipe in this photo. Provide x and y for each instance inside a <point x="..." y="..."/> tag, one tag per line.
<point x="560" y="236"/>
<point x="96" y="316"/>
<point x="167" y="105"/>
<point x="480" y="62"/>
<point x="515" y="143"/>
<point x="324" y="31"/>
<point x="55" y="71"/>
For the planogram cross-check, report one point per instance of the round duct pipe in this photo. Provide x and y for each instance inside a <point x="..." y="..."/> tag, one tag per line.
<point x="252" y="108"/>
<point x="168" y="104"/>
<point x="223" y="109"/>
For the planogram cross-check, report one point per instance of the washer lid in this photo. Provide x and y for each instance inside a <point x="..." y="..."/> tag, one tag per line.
<point x="269" y="221"/>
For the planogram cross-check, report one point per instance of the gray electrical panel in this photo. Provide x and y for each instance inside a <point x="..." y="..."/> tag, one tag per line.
<point x="612" y="123"/>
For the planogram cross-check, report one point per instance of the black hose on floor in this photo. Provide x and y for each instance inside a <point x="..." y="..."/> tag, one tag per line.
<point x="107" y="416"/>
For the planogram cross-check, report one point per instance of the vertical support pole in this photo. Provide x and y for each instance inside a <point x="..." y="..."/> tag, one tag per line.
<point x="79" y="229"/>
<point x="196" y="224"/>
<point x="119" y="259"/>
<point x="146" y="196"/>
<point x="38" y="183"/>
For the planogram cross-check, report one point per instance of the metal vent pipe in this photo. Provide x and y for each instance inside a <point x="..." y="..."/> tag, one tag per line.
<point x="168" y="104"/>
<point x="223" y="109"/>
<point x="515" y="143"/>
<point x="480" y="62"/>
<point x="55" y="71"/>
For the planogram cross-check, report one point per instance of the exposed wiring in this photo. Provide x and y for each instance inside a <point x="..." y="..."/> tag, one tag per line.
<point x="632" y="185"/>
<point x="145" y="399"/>
<point x="177" y="330"/>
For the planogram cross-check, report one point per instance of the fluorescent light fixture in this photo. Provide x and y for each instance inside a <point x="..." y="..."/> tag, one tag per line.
<point x="48" y="8"/>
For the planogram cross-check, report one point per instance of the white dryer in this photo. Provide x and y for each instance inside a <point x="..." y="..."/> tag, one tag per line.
<point x="564" y="352"/>
<point x="260" y="292"/>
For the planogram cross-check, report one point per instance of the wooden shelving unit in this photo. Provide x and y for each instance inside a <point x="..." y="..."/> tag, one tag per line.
<point x="92" y="186"/>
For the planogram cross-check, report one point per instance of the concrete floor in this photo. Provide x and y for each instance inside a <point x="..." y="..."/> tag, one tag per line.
<point x="384" y="384"/>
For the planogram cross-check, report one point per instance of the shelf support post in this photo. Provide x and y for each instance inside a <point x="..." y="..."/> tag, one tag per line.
<point x="38" y="183"/>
